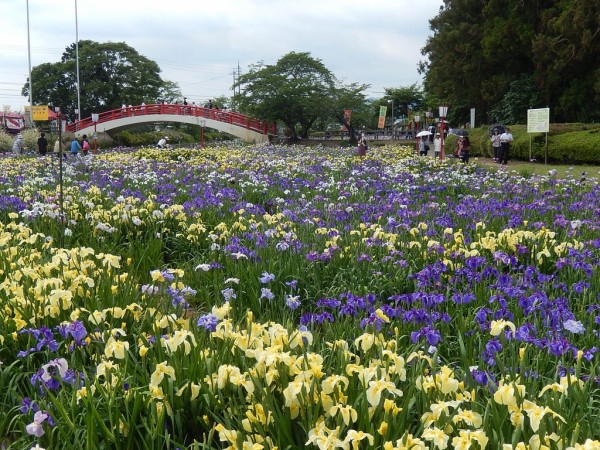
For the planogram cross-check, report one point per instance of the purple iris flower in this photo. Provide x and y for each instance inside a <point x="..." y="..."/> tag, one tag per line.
<point x="329" y="303"/>
<point x="208" y="321"/>
<point x="373" y="319"/>
<point x="492" y="347"/>
<point x="480" y="377"/>
<point x="44" y="338"/>
<point x="266" y="293"/>
<point x="431" y="335"/>
<point x="292" y="284"/>
<point x="559" y="347"/>
<point x="292" y="302"/>
<point x="228" y="294"/>
<point x="266" y="277"/>
<point x="76" y="330"/>
<point x="463" y="299"/>
<point x="28" y="405"/>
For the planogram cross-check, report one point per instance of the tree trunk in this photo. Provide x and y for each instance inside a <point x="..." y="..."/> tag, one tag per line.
<point x="304" y="132"/>
<point x="292" y="131"/>
<point x="353" y="137"/>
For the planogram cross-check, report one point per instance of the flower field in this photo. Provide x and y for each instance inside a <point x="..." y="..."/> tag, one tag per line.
<point x="263" y="297"/>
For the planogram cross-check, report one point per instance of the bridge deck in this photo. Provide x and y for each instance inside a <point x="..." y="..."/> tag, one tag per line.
<point x="232" y="118"/>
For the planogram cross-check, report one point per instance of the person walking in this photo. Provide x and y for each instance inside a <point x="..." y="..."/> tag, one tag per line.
<point x="437" y="145"/>
<point x="85" y="145"/>
<point x="423" y="147"/>
<point x="75" y="147"/>
<point x="505" y="139"/>
<point x="496" y="145"/>
<point x="18" y="144"/>
<point x="59" y="149"/>
<point x="464" y="149"/>
<point x="362" y="146"/>
<point x="42" y="144"/>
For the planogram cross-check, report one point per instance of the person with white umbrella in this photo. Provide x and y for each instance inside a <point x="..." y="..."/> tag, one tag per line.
<point x="422" y="142"/>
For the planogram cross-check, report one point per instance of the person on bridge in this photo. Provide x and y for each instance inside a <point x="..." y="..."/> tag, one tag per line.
<point x="163" y="142"/>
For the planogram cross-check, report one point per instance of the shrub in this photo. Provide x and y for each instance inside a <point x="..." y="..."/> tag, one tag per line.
<point x="6" y="141"/>
<point x="132" y="139"/>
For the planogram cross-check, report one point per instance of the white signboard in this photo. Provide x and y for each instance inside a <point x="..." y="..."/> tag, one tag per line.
<point x="538" y="120"/>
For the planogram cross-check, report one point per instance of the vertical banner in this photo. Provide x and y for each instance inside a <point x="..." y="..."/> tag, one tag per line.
<point x="382" y="114"/>
<point x="472" y="117"/>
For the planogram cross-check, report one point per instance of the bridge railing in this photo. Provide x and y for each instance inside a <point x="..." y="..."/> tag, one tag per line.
<point x="200" y="112"/>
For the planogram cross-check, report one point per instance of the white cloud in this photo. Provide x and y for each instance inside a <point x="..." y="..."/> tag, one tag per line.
<point x="199" y="43"/>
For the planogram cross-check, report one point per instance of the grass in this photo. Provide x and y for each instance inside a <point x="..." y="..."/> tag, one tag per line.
<point x="526" y="168"/>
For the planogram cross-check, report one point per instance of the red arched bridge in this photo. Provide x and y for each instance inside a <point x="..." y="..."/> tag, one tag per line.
<point x="233" y="123"/>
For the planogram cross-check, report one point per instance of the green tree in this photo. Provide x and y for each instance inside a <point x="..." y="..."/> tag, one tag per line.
<point x="406" y="100"/>
<point x="454" y="69"/>
<point x="349" y="97"/>
<point x="479" y="48"/>
<point x="169" y="92"/>
<point x="110" y="74"/>
<point x="566" y="54"/>
<point x="513" y="107"/>
<point x="298" y="91"/>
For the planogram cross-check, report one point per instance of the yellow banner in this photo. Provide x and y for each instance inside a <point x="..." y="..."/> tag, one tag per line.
<point x="38" y="112"/>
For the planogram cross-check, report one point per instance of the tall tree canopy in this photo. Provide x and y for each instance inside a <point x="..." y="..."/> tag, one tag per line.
<point x="481" y="51"/>
<point x="110" y="74"/>
<point x="298" y="90"/>
<point x="406" y="101"/>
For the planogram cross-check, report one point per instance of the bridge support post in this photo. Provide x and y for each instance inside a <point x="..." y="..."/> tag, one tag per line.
<point x="95" y="120"/>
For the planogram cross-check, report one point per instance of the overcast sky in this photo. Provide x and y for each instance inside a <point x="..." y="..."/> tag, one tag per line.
<point x="199" y="43"/>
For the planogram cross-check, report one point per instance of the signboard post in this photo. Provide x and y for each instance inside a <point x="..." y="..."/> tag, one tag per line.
<point x="538" y="121"/>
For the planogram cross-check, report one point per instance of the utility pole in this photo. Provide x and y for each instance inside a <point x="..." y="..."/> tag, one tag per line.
<point x="77" y="64"/>
<point x="30" y="115"/>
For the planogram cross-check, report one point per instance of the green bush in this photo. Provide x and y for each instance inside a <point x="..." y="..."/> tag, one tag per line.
<point x="575" y="147"/>
<point x="6" y="141"/>
<point x="130" y="139"/>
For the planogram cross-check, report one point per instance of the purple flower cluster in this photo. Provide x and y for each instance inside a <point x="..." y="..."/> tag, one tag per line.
<point x="208" y="321"/>
<point x="75" y="330"/>
<point x="44" y="338"/>
<point x="52" y="375"/>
